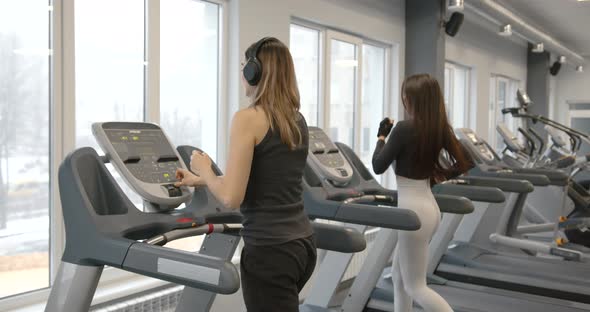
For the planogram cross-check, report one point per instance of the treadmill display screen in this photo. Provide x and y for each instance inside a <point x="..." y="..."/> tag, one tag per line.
<point x="472" y="137"/>
<point x="146" y="153"/>
<point x="324" y="150"/>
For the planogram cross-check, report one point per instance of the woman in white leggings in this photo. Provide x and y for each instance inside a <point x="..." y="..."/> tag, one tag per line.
<point x="413" y="149"/>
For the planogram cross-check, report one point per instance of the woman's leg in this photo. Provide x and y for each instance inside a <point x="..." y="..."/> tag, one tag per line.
<point x="310" y="258"/>
<point x="271" y="276"/>
<point x="401" y="299"/>
<point x="413" y="257"/>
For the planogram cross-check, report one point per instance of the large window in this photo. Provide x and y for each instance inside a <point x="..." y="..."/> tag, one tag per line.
<point x="111" y="77"/>
<point x="353" y="83"/>
<point x="109" y="68"/>
<point x="457" y="94"/>
<point x="305" y="50"/>
<point x="373" y="98"/>
<point x="343" y="83"/>
<point x="25" y="59"/>
<point x="502" y="95"/>
<point x="109" y="64"/>
<point x="189" y="73"/>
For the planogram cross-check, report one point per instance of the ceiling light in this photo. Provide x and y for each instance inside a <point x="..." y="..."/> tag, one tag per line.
<point x="538" y="48"/>
<point x="579" y="68"/>
<point x="505" y="30"/>
<point x="562" y="59"/>
<point x="456" y="5"/>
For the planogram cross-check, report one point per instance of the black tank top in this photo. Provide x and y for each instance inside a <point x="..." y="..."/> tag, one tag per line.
<point x="273" y="204"/>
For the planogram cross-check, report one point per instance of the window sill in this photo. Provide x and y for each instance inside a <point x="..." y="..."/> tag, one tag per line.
<point x="114" y="284"/>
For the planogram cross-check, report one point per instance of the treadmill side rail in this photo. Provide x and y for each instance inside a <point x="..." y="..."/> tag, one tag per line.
<point x="386" y="217"/>
<point x="190" y="269"/>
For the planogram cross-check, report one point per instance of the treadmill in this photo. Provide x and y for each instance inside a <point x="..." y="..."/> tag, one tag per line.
<point x="372" y="289"/>
<point x="332" y="176"/>
<point x="488" y="251"/>
<point x="103" y="227"/>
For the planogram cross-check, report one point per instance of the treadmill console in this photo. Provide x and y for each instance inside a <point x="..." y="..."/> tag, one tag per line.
<point x="509" y="138"/>
<point x="556" y="137"/>
<point x="327" y="158"/>
<point x="477" y="145"/>
<point x="145" y="158"/>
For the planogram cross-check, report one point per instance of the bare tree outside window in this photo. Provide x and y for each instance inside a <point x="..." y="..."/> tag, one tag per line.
<point x="24" y="146"/>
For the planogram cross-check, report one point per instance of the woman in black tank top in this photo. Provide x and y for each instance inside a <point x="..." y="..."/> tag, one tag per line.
<point x="267" y="156"/>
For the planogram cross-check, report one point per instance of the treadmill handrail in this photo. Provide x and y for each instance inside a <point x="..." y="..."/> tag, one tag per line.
<point x="530" y="142"/>
<point x="535" y="179"/>
<point x="384" y="217"/>
<point x="506" y="185"/>
<point x="471" y="192"/>
<point x="572" y="133"/>
<point x="338" y="238"/>
<point x="556" y="177"/>
<point x="539" y="138"/>
<point x="454" y="204"/>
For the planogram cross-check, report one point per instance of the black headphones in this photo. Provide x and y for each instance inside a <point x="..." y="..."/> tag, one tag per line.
<point x="253" y="68"/>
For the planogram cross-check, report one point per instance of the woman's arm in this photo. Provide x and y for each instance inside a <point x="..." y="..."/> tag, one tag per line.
<point x="386" y="153"/>
<point x="230" y="189"/>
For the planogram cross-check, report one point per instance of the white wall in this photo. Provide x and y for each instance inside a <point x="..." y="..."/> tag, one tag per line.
<point x="381" y="20"/>
<point x="476" y="46"/>
<point x="570" y="86"/>
<point x="479" y="47"/>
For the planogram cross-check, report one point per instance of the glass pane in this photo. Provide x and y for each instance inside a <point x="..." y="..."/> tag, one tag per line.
<point x="344" y="64"/>
<point x="189" y="79"/>
<point x="305" y="50"/>
<point x="109" y="67"/>
<point x="372" y="100"/>
<point x="25" y="57"/>
<point x="189" y="57"/>
<point x="459" y="97"/>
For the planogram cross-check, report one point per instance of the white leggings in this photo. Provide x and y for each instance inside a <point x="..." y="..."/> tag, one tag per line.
<point x="411" y="253"/>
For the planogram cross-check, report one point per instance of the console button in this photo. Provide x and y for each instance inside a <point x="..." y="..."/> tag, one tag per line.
<point x="173" y="191"/>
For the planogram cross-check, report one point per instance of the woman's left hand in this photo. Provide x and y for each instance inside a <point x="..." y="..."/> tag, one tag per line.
<point x="200" y="163"/>
<point x="385" y="127"/>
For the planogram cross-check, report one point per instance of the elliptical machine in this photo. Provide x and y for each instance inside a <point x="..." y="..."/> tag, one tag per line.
<point x="575" y="221"/>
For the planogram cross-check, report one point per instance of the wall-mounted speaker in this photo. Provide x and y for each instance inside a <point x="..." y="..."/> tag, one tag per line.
<point x="554" y="69"/>
<point x="454" y="24"/>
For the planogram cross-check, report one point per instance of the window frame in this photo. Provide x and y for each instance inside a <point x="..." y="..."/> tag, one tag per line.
<point x="389" y="108"/>
<point x="321" y="62"/>
<point x="114" y="283"/>
<point x="512" y="85"/>
<point x="356" y="110"/>
<point x="453" y="66"/>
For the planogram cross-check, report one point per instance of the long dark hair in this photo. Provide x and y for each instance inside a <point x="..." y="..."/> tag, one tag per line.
<point x="277" y="91"/>
<point x="424" y="102"/>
